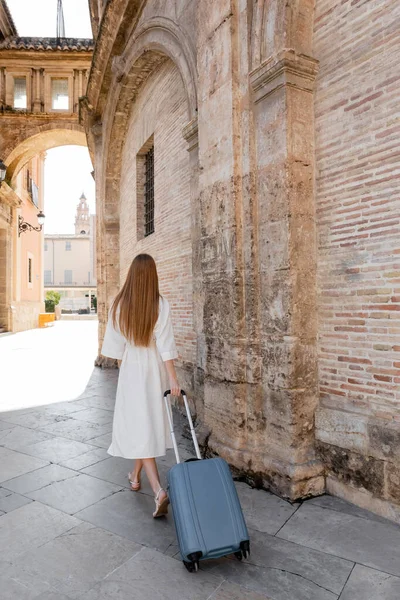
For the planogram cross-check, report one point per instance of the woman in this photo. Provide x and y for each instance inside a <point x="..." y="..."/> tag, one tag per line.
<point x="139" y="332"/>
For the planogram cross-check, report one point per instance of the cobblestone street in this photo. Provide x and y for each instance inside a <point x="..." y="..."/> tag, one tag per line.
<point x="71" y="529"/>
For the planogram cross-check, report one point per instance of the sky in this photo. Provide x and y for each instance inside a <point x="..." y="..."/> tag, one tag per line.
<point x="39" y="18"/>
<point x="68" y="168"/>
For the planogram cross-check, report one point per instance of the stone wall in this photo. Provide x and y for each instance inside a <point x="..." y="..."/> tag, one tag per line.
<point x="160" y="113"/>
<point x="245" y="107"/>
<point x="358" y="206"/>
<point x="25" y="315"/>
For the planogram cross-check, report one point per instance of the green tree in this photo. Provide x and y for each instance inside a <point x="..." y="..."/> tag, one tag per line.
<point x="51" y="301"/>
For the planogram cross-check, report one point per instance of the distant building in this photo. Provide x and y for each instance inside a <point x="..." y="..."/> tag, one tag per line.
<point x="69" y="261"/>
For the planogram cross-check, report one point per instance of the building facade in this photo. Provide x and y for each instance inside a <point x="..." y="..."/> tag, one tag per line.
<point x="41" y="81"/>
<point x="252" y="150"/>
<point x="69" y="266"/>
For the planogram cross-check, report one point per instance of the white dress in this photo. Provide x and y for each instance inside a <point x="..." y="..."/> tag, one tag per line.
<point x="140" y="426"/>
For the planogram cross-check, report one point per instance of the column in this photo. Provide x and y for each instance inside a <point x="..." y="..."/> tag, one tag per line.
<point x="191" y="135"/>
<point x="36" y="84"/>
<point x="2" y="86"/>
<point x="284" y="125"/>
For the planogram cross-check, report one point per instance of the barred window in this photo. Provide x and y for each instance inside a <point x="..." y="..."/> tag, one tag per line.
<point x="20" y="92"/>
<point x="149" y="193"/>
<point x="68" y="246"/>
<point x="67" y="276"/>
<point x="47" y="277"/>
<point x="59" y="94"/>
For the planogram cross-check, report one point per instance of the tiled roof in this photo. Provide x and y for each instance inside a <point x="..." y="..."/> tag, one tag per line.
<point x="46" y="44"/>
<point x="9" y="16"/>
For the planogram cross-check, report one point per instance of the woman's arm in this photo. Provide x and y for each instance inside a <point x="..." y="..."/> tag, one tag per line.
<point x="173" y="380"/>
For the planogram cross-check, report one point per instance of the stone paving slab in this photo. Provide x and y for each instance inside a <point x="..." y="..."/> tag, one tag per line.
<point x="229" y="591"/>
<point x="75" y="493"/>
<point x="368" y="584"/>
<point x="18" y="437"/>
<point x="278" y="584"/>
<point x="73" y="429"/>
<point x="151" y="575"/>
<point x="344" y="507"/>
<point x="103" y="441"/>
<point x="75" y="561"/>
<point x="12" y="501"/>
<point x="373" y="544"/>
<point x="264" y="511"/>
<point x="99" y="416"/>
<point x="322" y="549"/>
<point x="35" y="480"/>
<point x="86" y="460"/>
<point x="13" y="464"/>
<point x="129" y="514"/>
<point x="56" y="450"/>
<point x="285" y="570"/>
<point x="33" y="420"/>
<point x="31" y="526"/>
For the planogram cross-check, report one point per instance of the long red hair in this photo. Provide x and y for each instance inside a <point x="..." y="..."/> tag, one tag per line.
<point x="137" y="304"/>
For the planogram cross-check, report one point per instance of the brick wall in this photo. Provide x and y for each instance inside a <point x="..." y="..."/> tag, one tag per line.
<point x="358" y="214"/>
<point x="161" y="111"/>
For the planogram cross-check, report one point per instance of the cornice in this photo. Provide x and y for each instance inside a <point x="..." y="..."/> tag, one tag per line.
<point x="285" y="69"/>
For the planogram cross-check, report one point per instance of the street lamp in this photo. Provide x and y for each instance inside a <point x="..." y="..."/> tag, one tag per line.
<point x="3" y="170"/>
<point x="24" y="226"/>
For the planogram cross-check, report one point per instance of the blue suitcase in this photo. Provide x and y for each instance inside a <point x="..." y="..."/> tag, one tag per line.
<point x="208" y="517"/>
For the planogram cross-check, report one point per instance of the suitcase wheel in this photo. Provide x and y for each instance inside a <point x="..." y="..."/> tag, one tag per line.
<point x="239" y="555"/>
<point x="192" y="567"/>
<point x="244" y="550"/>
<point x="193" y="564"/>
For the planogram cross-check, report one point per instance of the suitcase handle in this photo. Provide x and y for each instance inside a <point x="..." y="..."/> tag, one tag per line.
<point x="171" y="425"/>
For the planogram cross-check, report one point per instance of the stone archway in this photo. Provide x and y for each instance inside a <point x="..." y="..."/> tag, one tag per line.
<point x="48" y="137"/>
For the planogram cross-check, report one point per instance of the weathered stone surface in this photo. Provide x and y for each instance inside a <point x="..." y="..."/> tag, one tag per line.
<point x="352" y="468"/>
<point x="76" y="560"/>
<point x="369" y="583"/>
<point x="31" y="526"/>
<point x="343" y="429"/>
<point x="346" y="536"/>
<point x="17" y="464"/>
<point x="155" y="575"/>
<point x="392" y="473"/>
<point x="384" y="440"/>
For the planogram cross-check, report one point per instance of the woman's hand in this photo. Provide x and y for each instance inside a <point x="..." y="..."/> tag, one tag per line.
<point x="174" y="386"/>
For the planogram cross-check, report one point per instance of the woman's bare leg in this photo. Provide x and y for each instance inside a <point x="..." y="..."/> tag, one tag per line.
<point x="161" y="496"/>
<point x="134" y="476"/>
<point x="137" y="469"/>
<point x="150" y="466"/>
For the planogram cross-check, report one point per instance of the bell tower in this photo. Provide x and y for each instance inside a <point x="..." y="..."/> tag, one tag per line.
<point x="82" y="219"/>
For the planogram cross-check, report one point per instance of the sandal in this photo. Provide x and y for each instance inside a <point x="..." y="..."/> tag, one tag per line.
<point x="161" y="506"/>
<point x="135" y="485"/>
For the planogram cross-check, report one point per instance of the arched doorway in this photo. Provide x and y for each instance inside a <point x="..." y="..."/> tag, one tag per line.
<point x="22" y="275"/>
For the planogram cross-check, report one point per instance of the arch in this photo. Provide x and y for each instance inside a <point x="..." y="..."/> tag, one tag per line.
<point x="156" y="41"/>
<point x="40" y="142"/>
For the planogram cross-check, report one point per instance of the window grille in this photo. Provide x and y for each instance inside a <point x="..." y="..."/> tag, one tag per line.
<point x="47" y="277"/>
<point x="67" y="246"/>
<point x="59" y="94"/>
<point x="67" y="276"/>
<point x="20" y="92"/>
<point x="149" y="193"/>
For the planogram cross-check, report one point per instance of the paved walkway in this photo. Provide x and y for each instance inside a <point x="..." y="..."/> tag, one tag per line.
<point x="71" y="529"/>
